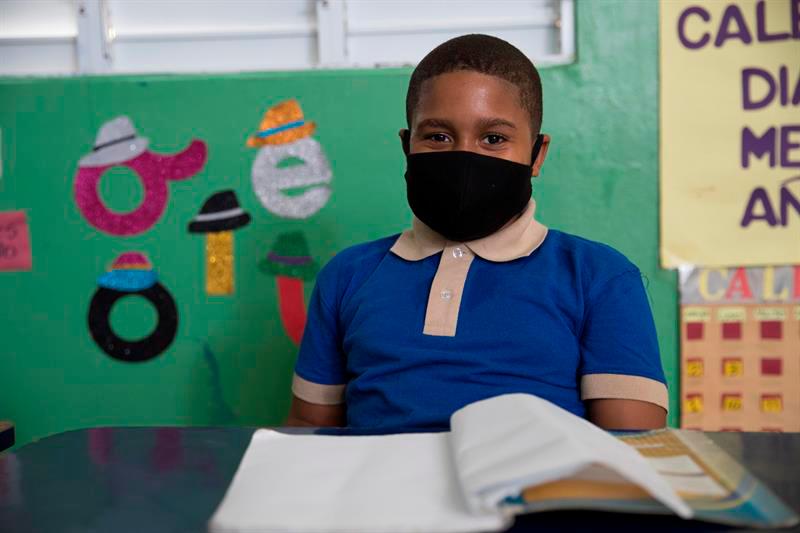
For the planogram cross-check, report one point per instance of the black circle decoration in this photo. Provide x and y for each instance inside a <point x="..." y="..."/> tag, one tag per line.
<point x="133" y="351"/>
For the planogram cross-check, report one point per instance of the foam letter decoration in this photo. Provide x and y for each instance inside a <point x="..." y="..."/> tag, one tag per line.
<point x="132" y="275"/>
<point x="118" y="145"/>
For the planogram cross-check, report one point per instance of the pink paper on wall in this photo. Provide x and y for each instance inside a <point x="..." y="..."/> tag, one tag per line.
<point x="15" y="241"/>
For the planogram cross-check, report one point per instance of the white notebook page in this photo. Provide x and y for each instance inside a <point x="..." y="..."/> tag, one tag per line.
<point x="314" y="483"/>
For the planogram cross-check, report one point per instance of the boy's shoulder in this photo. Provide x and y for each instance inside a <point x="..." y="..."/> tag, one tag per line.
<point x="593" y="259"/>
<point x="359" y="255"/>
<point x="355" y="261"/>
<point x="586" y="248"/>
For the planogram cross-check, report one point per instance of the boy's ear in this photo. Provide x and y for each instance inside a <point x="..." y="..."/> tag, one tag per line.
<point x="542" y="143"/>
<point x="405" y="138"/>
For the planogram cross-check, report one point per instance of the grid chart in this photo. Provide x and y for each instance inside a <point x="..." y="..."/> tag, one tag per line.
<point x="740" y="358"/>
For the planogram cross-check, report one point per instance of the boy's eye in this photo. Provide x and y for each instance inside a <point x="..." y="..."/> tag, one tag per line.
<point x="494" y="138"/>
<point x="438" y="137"/>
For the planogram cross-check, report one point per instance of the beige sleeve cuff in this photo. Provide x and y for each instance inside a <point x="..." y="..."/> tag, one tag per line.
<point x="624" y="387"/>
<point x="316" y="392"/>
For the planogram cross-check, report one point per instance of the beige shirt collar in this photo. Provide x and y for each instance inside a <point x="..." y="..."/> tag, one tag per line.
<point x="517" y="239"/>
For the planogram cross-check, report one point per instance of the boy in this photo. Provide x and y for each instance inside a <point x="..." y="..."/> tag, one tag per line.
<point x="478" y="298"/>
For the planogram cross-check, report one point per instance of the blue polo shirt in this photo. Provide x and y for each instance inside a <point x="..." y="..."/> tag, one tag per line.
<point x="407" y="329"/>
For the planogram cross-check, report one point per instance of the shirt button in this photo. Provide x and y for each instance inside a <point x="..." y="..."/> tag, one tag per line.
<point x="458" y="253"/>
<point x="446" y="294"/>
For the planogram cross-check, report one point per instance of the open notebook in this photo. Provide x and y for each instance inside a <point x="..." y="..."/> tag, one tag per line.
<point x="503" y="456"/>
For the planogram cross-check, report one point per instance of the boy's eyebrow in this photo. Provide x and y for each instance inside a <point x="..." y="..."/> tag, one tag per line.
<point x="488" y="123"/>
<point x="483" y="124"/>
<point x="435" y="123"/>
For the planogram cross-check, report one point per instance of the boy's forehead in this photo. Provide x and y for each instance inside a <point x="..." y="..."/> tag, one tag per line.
<point x="465" y="93"/>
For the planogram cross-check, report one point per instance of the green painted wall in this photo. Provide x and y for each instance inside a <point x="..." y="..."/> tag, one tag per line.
<point x="600" y="181"/>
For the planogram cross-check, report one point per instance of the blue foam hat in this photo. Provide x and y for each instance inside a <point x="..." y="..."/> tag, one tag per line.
<point x="130" y="272"/>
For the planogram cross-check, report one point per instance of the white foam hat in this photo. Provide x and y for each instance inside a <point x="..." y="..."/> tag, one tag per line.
<point x="116" y="142"/>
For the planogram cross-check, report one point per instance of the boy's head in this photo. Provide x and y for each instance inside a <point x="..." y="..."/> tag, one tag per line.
<point x="475" y="93"/>
<point x="483" y="54"/>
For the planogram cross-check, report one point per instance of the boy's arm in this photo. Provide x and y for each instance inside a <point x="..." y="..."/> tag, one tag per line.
<point x="622" y="381"/>
<point x="320" y="376"/>
<point x="303" y="413"/>
<point x="625" y="414"/>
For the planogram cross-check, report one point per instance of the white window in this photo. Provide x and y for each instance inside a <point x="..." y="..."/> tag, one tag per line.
<point x="402" y="32"/>
<point x="138" y="36"/>
<point x="38" y="37"/>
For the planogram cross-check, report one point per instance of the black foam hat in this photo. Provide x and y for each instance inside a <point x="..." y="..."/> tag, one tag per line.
<point x="220" y="212"/>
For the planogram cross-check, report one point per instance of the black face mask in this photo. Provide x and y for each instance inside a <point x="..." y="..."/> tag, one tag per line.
<point x="466" y="196"/>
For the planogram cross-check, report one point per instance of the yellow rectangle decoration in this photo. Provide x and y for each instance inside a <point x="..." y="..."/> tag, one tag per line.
<point x="694" y="368"/>
<point x="219" y="263"/>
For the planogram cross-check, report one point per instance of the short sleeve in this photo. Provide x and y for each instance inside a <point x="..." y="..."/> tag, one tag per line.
<point x="619" y="347"/>
<point x="320" y="370"/>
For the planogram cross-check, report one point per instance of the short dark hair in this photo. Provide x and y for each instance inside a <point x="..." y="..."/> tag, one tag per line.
<point x="487" y="55"/>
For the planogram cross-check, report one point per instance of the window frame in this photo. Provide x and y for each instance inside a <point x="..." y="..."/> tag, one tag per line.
<point x="95" y="37"/>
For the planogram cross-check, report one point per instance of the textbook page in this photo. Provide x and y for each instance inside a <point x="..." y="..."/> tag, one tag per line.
<point x="505" y="444"/>
<point x="315" y="483"/>
<point x="714" y="485"/>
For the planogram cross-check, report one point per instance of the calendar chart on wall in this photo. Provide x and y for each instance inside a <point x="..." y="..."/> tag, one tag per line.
<point x="740" y="349"/>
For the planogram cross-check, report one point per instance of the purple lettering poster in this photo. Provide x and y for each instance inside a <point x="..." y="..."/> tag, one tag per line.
<point x="730" y="132"/>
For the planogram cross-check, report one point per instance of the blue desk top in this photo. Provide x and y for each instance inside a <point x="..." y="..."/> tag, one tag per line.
<point x="172" y="479"/>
